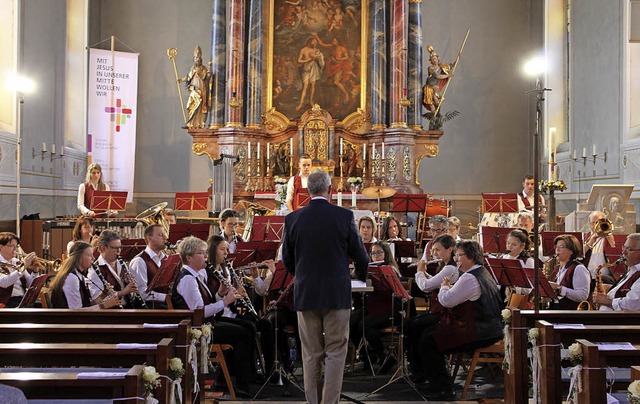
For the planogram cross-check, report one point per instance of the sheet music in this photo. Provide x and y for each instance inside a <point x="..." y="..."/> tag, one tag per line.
<point x="360" y="286"/>
<point x="150" y="325"/>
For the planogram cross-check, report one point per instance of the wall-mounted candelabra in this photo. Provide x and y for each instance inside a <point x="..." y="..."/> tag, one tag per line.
<point x="594" y="156"/>
<point x="44" y="152"/>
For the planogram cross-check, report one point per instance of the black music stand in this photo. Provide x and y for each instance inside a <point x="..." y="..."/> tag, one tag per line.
<point x="494" y="239"/>
<point x="391" y="278"/>
<point x="178" y="231"/>
<point x="33" y="291"/>
<point x="508" y="272"/>
<point x="547" y="237"/>
<point x="267" y="228"/>
<point x="254" y="251"/>
<point x="104" y="201"/>
<point x="282" y="280"/>
<point x="132" y="247"/>
<point x="166" y="275"/>
<point x="191" y="201"/>
<point x="409" y="203"/>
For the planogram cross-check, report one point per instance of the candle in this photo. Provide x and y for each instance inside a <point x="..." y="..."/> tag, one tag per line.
<point x="291" y="146"/>
<point x="62" y="151"/>
<point x="405" y="91"/>
<point x="574" y="154"/>
<point x="584" y="152"/>
<point x="341" y="146"/>
<point x="53" y="148"/>
<point x="364" y="152"/>
<point x="258" y="150"/>
<point x="353" y="197"/>
<point x="268" y="150"/>
<point x="552" y="152"/>
<point x="594" y="150"/>
<point x="249" y="149"/>
<point x="339" y="198"/>
<point x="44" y="147"/>
<point x="373" y="151"/>
<point x="383" y="150"/>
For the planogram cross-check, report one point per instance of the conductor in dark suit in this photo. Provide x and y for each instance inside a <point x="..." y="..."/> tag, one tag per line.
<point x="318" y="241"/>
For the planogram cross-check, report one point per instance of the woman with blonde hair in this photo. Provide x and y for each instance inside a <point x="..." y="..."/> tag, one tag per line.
<point x="93" y="182"/>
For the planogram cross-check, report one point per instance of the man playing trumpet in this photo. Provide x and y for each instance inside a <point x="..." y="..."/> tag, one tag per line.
<point x="595" y="244"/>
<point x="14" y="281"/>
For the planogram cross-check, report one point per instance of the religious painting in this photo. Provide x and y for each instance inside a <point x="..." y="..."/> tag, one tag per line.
<point x="316" y="56"/>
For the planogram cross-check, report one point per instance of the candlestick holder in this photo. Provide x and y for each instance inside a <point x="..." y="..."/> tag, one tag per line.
<point x="364" y="175"/>
<point x="404" y="102"/>
<point x="248" y="185"/>
<point x="341" y="184"/>
<point x="383" y="171"/>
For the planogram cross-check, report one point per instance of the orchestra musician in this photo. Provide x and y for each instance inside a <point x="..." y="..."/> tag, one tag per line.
<point x="570" y="279"/>
<point x="170" y="216"/>
<point x="237" y="313"/>
<point x="525" y="221"/>
<point x="376" y="315"/>
<point x="625" y="294"/>
<point x="391" y="230"/>
<point x="454" y="228"/>
<point x="83" y="231"/>
<point x="93" y="182"/>
<point x="298" y="182"/>
<point x="526" y="197"/>
<point x="475" y="306"/>
<point x="518" y="247"/>
<point x="438" y="224"/>
<point x="229" y="221"/>
<point x="146" y="265"/>
<point x="367" y="229"/>
<point x="190" y="291"/>
<point x="69" y="289"/>
<point x="442" y="250"/>
<point x="594" y="248"/>
<point x="13" y="280"/>
<point x="110" y="245"/>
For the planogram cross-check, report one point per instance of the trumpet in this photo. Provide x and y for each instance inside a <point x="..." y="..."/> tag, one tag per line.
<point x="49" y="265"/>
<point x="603" y="227"/>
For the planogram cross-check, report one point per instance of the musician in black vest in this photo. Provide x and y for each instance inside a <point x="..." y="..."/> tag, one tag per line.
<point x="570" y="279"/>
<point x="110" y="245"/>
<point x="146" y="265"/>
<point x="473" y="320"/>
<point x="14" y="283"/>
<point x="69" y="289"/>
<point x="229" y="221"/>
<point x="190" y="291"/>
<point x="625" y="294"/>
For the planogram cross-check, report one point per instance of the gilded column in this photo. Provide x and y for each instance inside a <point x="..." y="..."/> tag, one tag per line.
<point x="378" y="75"/>
<point x="398" y="64"/>
<point x="218" y="62"/>
<point x="235" y="63"/>
<point x="414" y="110"/>
<point x="254" y="64"/>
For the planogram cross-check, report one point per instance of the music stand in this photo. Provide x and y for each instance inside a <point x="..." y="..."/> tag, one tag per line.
<point x="403" y="249"/>
<point x="132" y="247"/>
<point x="500" y="203"/>
<point x="302" y="198"/>
<point x="281" y="280"/>
<point x="267" y="228"/>
<point x="104" y="201"/>
<point x="545" y="288"/>
<point x="548" y="248"/>
<point x="508" y="272"/>
<point x="613" y="253"/>
<point x="254" y="251"/>
<point x="494" y="239"/>
<point x="178" y="231"/>
<point x="166" y="275"/>
<point x="191" y="201"/>
<point x="409" y="203"/>
<point x="33" y="291"/>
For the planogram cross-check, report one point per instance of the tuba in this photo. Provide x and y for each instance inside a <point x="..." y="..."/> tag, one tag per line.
<point x="155" y="215"/>
<point x="248" y="210"/>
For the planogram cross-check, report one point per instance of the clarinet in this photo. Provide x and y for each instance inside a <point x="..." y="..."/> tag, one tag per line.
<point x="107" y="286"/>
<point x="244" y="301"/>
<point x="138" y="301"/>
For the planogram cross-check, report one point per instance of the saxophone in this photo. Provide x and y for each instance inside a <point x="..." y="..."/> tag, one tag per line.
<point x="599" y="283"/>
<point x="244" y="300"/>
<point x="138" y="301"/>
<point x="108" y="288"/>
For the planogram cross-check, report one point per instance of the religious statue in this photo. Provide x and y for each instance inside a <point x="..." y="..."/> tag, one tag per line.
<point x="198" y="82"/>
<point x="438" y="75"/>
<point x="613" y="213"/>
<point x="280" y="161"/>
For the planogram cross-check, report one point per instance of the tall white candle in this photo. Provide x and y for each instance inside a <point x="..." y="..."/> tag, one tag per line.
<point x="62" y="151"/>
<point x="594" y="150"/>
<point x="44" y="147"/>
<point x="53" y="148"/>
<point x="249" y="149"/>
<point x="291" y="146"/>
<point x="353" y="198"/>
<point x="584" y="152"/>
<point x="268" y="150"/>
<point x="552" y="152"/>
<point x="364" y="152"/>
<point x="373" y="151"/>
<point x="339" y="198"/>
<point x="341" y="146"/>
<point x="383" y="150"/>
<point x="575" y="155"/>
<point x="258" y="150"/>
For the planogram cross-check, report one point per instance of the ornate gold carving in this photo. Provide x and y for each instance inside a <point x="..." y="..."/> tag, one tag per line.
<point x="316" y="111"/>
<point x="201" y="148"/>
<point x="432" y="150"/>
<point x="406" y="163"/>
<point x="316" y="140"/>
<point x="274" y="121"/>
<point x="391" y="161"/>
<point x="402" y="125"/>
<point x="415" y="1"/>
<point x="357" y="120"/>
<point x="241" y="166"/>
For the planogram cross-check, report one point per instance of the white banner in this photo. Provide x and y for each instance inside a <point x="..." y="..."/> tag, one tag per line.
<point x="112" y="109"/>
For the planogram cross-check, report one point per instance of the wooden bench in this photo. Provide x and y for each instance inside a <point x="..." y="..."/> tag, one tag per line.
<point x="66" y="385"/>
<point x="105" y="333"/>
<point x="550" y="339"/>
<point x="595" y="362"/>
<point x="125" y="316"/>
<point x="516" y="381"/>
<point x="94" y="355"/>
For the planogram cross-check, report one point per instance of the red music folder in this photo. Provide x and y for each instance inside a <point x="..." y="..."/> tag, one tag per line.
<point x="508" y="272"/>
<point x="166" y="274"/>
<point x="179" y="231"/>
<point x="387" y="279"/>
<point x="494" y="239"/>
<point x="254" y="251"/>
<point x="267" y="228"/>
<point x="191" y="201"/>
<point x="33" y="291"/>
<point x="545" y="289"/>
<point x="500" y="203"/>
<point x="132" y="247"/>
<point x="108" y="200"/>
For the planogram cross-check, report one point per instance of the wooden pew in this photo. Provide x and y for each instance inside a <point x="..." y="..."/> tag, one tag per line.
<point x="94" y="355"/>
<point x="105" y="333"/>
<point x="550" y="369"/>
<point x="126" y="316"/>
<point x="516" y="381"/>
<point x="593" y="374"/>
<point x="66" y="385"/>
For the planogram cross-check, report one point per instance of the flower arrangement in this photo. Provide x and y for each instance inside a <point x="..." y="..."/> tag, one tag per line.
<point x="207" y="329"/>
<point x="355" y="180"/>
<point x="506" y="319"/>
<point x="633" y="392"/>
<point x="280" y="180"/>
<point x="506" y="316"/>
<point x="533" y="335"/>
<point x="558" y="185"/>
<point x="151" y="380"/>
<point x="575" y="353"/>
<point x="195" y="334"/>
<point x="281" y="191"/>
<point x="176" y="368"/>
